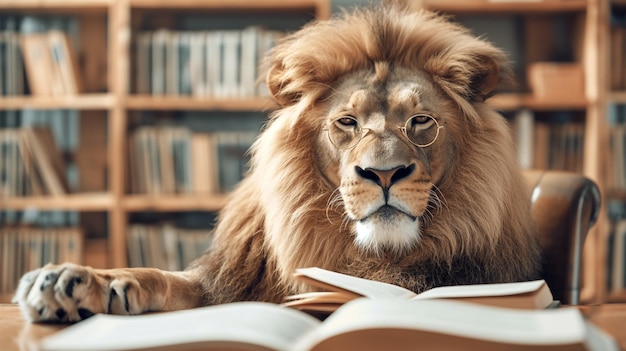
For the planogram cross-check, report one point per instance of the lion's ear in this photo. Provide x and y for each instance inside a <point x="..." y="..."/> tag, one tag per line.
<point x="486" y="79"/>
<point x="475" y="77"/>
<point x="276" y="83"/>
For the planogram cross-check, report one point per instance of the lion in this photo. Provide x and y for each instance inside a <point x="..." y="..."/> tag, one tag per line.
<point x="382" y="160"/>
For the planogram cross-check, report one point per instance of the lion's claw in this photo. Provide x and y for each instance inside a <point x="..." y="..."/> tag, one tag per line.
<point x="60" y="293"/>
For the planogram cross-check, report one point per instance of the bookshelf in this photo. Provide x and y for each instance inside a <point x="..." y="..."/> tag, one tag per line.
<point x="109" y="30"/>
<point x="110" y="106"/>
<point x="618" y="97"/>
<point x="614" y="92"/>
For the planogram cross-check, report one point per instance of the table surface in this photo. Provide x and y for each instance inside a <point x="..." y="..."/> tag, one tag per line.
<point x="16" y="334"/>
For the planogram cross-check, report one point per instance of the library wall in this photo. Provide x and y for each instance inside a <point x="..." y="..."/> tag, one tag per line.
<point x="118" y="151"/>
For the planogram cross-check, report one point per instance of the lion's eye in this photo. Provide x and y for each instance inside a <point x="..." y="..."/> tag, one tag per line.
<point x="345" y="132"/>
<point x="347" y="121"/>
<point x="421" y="130"/>
<point x="421" y="119"/>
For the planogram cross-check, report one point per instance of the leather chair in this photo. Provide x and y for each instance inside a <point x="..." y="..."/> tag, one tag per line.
<point x="564" y="207"/>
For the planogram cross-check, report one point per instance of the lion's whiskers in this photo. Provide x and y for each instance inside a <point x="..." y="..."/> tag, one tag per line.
<point x="335" y="201"/>
<point x="438" y="198"/>
<point x="436" y="201"/>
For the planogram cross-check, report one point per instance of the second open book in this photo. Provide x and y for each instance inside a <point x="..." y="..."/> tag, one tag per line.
<point x="341" y="288"/>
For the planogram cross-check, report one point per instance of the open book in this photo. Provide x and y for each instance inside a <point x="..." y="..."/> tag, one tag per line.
<point x="363" y="324"/>
<point x="341" y="288"/>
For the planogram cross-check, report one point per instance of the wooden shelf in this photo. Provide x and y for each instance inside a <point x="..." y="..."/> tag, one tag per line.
<point x="521" y="6"/>
<point x="55" y="4"/>
<point x="77" y="202"/>
<point x="615" y="193"/>
<point x="105" y="202"/>
<point x="248" y="5"/>
<point x="152" y="102"/>
<point x="78" y="102"/>
<point x="509" y="102"/>
<point x="318" y="8"/>
<point x="618" y="97"/>
<point x="617" y="296"/>
<point x="174" y="203"/>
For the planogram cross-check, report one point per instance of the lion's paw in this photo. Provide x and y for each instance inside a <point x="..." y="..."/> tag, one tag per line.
<point x="70" y="293"/>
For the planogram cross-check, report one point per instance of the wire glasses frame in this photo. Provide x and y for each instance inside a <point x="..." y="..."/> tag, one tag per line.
<point x="420" y="130"/>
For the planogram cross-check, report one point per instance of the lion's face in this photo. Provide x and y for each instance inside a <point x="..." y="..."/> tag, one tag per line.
<point x="385" y="167"/>
<point x="356" y="80"/>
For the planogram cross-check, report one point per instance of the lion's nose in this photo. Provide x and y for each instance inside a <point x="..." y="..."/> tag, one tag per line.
<point x="385" y="178"/>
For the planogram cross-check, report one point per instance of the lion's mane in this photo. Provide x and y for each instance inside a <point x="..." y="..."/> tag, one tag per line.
<point x="283" y="215"/>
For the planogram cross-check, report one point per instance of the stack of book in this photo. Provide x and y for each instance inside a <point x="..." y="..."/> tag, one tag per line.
<point x="617" y="153"/>
<point x="165" y="246"/>
<point x="51" y="64"/>
<point x="221" y="63"/>
<point x="618" y="49"/>
<point x="556" y="143"/>
<point x="11" y="63"/>
<point x="617" y="257"/>
<point x="30" y="163"/>
<point x="174" y="160"/>
<point x="23" y="249"/>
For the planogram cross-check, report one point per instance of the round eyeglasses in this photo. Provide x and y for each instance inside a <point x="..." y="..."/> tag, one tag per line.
<point x="421" y="130"/>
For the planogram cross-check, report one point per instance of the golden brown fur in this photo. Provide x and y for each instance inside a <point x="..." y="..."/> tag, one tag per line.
<point x="480" y="232"/>
<point x="300" y="203"/>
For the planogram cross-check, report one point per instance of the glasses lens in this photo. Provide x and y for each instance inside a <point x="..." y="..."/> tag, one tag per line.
<point x="422" y="130"/>
<point x="344" y="132"/>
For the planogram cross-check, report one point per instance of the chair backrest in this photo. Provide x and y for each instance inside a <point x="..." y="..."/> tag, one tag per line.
<point x="564" y="207"/>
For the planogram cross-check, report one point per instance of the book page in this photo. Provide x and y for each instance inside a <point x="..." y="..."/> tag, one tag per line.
<point x="363" y="287"/>
<point x="360" y="317"/>
<point x="481" y="290"/>
<point x="319" y="301"/>
<point x="256" y="323"/>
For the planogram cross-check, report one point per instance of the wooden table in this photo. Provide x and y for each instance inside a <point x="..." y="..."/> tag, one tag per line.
<point x="16" y="334"/>
<point x="611" y="318"/>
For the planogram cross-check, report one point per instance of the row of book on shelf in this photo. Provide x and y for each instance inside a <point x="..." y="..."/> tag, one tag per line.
<point x="30" y="163"/>
<point x="617" y="257"/>
<point x="23" y="249"/>
<point x="616" y="175"/>
<point x="24" y="173"/>
<point x="12" y="80"/>
<point x="549" y="144"/>
<point x="33" y="217"/>
<point x="219" y="63"/>
<point x="163" y="160"/>
<point x="48" y="59"/>
<point x="618" y="50"/>
<point x="165" y="246"/>
<point x="169" y="160"/>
